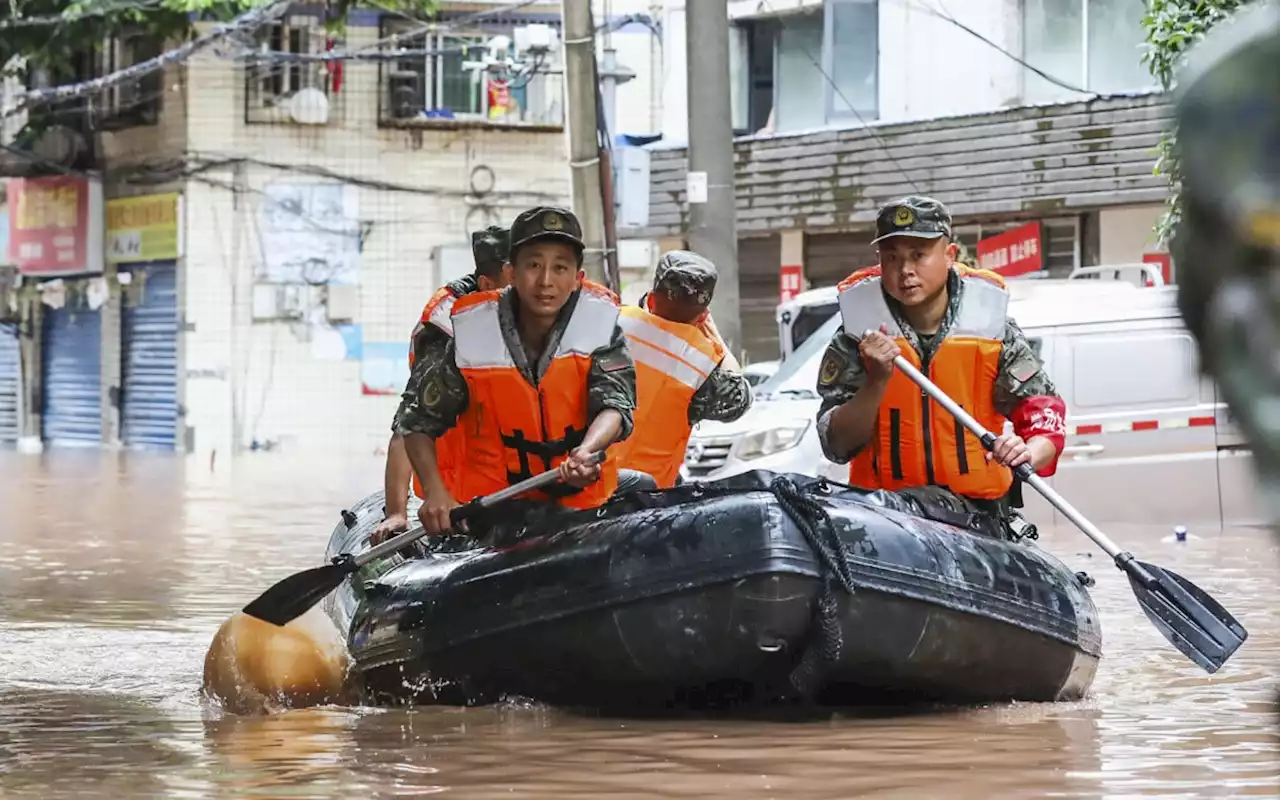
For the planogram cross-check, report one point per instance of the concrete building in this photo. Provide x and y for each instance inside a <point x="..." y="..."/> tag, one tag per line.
<point x="1033" y="116"/>
<point x="254" y="241"/>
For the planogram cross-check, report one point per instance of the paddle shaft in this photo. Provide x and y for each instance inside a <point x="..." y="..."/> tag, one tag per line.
<point x="1024" y="471"/>
<point x="462" y="512"/>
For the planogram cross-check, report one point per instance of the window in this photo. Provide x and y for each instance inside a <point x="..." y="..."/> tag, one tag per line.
<point x="812" y="69"/>
<point x="800" y="91"/>
<point x="1091" y="44"/>
<point x="289" y="91"/>
<point x="446" y="80"/>
<point x="1133" y="369"/>
<point x="851" y="51"/>
<point x="131" y="103"/>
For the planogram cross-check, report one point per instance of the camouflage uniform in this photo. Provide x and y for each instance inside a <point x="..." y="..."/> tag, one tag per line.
<point x="1227" y="244"/>
<point x="489" y="249"/>
<point x="725" y="395"/>
<point x="1021" y="373"/>
<point x="436" y="393"/>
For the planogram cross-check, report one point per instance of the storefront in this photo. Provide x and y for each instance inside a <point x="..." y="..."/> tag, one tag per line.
<point x="10" y="385"/>
<point x="56" y="240"/>
<point x="72" y="369"/>
<point x="143" y="242"/>
<point x="758" y="260"/>
<point x="149" y="357"/>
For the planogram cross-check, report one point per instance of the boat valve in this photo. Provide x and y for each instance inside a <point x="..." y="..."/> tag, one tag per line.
<point x="1085" y="579"/>
<point x="349" y="519"/>
<point x="1021" y="529"/>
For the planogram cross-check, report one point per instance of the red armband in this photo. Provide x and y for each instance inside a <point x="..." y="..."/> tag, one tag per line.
<point x="1043" y="415"/>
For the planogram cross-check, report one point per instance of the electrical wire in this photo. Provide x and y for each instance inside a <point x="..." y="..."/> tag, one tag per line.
<point x="80" y="14"/>
<point x="250" y="19"/>
<point x="946" y="17"/>
<point x="817" y="64"/>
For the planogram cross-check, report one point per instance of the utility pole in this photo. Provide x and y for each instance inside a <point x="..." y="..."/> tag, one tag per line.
<point x="713" y="228"/>
<point x="584" y="137"/>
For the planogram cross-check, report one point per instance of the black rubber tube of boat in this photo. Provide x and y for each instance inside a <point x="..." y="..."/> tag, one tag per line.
<point x="826" y="642"/>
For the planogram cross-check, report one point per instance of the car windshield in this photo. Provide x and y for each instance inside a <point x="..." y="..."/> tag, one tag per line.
<point x="798" y="375"/>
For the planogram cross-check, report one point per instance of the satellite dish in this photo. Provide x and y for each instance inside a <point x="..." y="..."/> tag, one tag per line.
<point x="309" y="107"/>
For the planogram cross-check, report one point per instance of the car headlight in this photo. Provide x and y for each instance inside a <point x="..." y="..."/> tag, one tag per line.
<point x="770" y="441"/>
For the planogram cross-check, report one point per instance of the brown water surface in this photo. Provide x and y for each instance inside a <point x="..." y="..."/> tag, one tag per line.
<point x="115" y="570"/>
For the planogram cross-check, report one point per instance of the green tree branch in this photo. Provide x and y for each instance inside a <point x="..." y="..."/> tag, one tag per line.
<point x="1172" y="27"/>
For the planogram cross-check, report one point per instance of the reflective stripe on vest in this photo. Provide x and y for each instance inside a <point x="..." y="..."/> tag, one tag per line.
<point x="516" y="430"/>
<point x="672" y="362"/>
<point x="916" y="441"/>
<point x="439" y="310"/>
<point x="435" y="312"/>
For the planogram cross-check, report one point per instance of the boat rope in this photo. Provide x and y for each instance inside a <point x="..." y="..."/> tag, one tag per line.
<point x="827" y="641"/>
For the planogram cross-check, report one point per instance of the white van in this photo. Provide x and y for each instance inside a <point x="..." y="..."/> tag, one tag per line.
<point x="1147" y="440"/>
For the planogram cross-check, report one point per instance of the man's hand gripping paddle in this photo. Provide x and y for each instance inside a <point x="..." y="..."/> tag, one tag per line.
<point x="291" y="597"/>
<point x="1185" y="614"/>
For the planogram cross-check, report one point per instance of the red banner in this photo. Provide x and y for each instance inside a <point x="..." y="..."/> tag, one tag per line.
<point x="790" y="281"/>
<point x="49" y="226"/>
<point x="1015" y="252"/>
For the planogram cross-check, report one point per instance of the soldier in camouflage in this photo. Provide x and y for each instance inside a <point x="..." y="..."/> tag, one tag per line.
<point x="437" y="392"/>
<point x="1227" y="244"/>
<point x="923" y="291"/>
<point x="683" y="285"/>
<point x="489" y="249"/>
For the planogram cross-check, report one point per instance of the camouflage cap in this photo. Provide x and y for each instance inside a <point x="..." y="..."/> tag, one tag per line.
<point x="489" y="248"/>
<point x="546" y="222"/>
<point x="684" y="275"/>
<point x="916" y="216"/>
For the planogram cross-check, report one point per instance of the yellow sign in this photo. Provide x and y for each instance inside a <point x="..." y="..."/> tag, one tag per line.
<point x="143" y="228"/>
<point x="904" y="217"/>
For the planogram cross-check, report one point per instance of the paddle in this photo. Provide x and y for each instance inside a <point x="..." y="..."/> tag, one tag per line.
<point x="291" y="597"/>
<point x="1188" y="617"/>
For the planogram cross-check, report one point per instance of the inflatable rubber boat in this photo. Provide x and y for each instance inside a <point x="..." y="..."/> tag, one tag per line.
<point x="757" y="588"/>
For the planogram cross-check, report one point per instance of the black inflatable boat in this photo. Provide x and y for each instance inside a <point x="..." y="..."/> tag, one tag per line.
<point x="757" y="588"/>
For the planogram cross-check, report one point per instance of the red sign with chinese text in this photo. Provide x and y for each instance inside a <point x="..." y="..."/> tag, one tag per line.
<point x="1015" y="252"/>
<point x="49" y="225"/>
<point x="1166" y="266"/>
<point x="790" y="281"/>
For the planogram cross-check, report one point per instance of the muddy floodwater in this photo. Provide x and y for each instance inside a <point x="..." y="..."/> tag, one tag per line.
<point x="115" y="571"/>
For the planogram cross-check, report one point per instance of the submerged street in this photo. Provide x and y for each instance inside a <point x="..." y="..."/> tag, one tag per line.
<point x="115" y="571"/>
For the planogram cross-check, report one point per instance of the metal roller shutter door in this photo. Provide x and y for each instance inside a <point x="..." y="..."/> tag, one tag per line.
<point x="10" y="384"/>
<point x="72" y="377"/>
<point x="831" y="257"/>
<point x="759" y="265"/>
<point x="149" y="328"/>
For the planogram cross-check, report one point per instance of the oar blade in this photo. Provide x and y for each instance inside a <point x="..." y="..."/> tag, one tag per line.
<point x="295" y="595"/>
<point x="1189" y="618"/>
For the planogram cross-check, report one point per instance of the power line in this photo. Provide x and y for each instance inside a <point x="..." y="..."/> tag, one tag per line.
<point x="250" y="19"/>
<point x="947" y="17"/>
<point x="80" y="14"/>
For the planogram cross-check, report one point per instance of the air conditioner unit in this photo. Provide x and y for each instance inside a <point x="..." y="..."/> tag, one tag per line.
<point x="631" y="179"/>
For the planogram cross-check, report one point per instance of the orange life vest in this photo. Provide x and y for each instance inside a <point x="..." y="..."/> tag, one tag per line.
<point x="516" y="430"/>
<point x="916" y="442"/>
<point x="672" y="362"/>
<point x="450" y="448"/>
